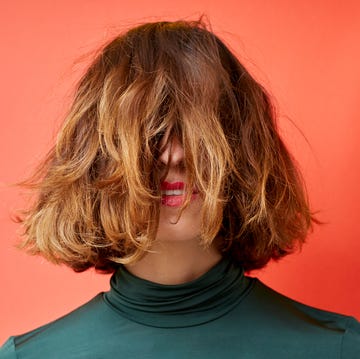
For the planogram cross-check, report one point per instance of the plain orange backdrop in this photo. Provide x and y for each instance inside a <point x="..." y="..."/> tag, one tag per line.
<point x="306" y="53"/>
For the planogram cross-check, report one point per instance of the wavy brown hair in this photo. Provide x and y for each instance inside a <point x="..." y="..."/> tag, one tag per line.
<point x="98" y="195"/>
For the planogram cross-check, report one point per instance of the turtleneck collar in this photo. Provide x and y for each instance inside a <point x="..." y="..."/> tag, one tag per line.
<point x="196" y="302"/>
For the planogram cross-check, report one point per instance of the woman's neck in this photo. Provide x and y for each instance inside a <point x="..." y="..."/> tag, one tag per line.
<point x="175" y="262"/>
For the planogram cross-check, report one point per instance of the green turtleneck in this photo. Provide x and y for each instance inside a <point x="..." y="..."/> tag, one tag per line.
<point x="223" y="314"/>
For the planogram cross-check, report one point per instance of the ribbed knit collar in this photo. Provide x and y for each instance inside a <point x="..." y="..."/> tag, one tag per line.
<point x="174" y="306"/>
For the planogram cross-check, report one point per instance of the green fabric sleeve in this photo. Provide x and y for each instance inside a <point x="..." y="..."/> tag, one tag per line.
<point x="351" y="340"/>
<point x="7" y="351"/>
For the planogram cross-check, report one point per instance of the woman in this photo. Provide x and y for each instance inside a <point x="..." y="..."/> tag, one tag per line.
<point x="169" y="172"/>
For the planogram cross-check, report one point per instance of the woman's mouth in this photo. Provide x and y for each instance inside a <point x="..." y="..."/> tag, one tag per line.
<point x="173" y="194"/>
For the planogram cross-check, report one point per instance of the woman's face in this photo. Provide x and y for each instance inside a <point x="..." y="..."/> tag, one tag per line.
<point x="188" y="226"/>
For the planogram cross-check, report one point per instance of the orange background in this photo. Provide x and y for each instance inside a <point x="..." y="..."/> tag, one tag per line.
<point x="306" y="53"/>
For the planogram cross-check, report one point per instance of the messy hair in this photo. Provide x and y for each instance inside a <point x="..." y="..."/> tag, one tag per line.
<point x="98" y="198"/>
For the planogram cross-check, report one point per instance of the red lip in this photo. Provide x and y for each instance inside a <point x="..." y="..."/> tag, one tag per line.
<point x="174" y="200"/>
<point x="167" y="186"/>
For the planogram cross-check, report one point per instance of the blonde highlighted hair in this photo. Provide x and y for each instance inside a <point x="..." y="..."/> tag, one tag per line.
<point x="98" y="197"/>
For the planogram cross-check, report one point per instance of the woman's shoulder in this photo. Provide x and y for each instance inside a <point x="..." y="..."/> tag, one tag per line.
<point x="270" y="298"/>
<point x="291" y="318"/>
<point x="60" y="335"/>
